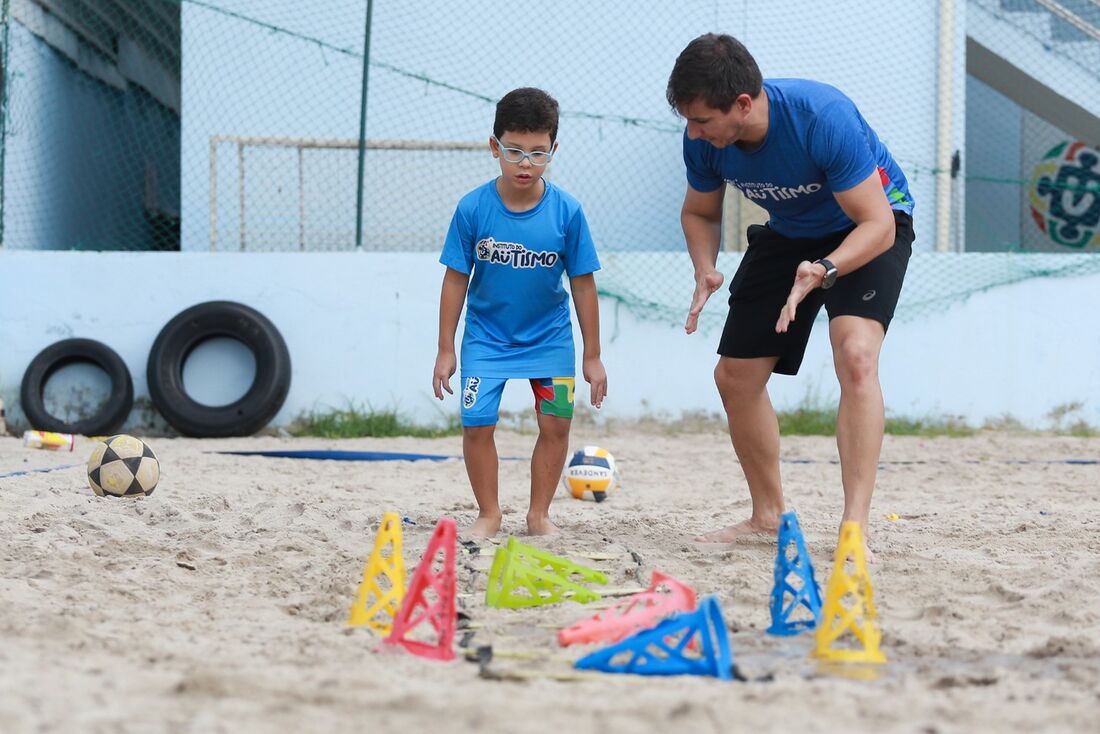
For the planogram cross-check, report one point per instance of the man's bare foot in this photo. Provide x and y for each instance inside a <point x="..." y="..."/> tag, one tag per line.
<point x="540" y="526"/>
<point x="868" y="554"/>
<point x="484" y="527"/>
<point x="731" y="533"/>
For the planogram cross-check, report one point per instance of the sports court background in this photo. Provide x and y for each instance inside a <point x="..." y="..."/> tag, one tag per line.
<point x="241" y="126"/>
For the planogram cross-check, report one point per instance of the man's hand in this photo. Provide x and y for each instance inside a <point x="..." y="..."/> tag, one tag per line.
<point x="596" y="377"/>
<point x="705" y="284"/>
<point x="445" y="365"/>
<point x="806" y="278"/>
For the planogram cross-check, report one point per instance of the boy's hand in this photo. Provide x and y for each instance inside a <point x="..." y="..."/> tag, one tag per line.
<point x="596" y="376"/>
<point x="705" y="284"/>
<point x="445" y="364"/>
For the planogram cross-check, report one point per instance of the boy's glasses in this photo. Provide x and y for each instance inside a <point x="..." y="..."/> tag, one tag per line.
<point x="516" y="155"/>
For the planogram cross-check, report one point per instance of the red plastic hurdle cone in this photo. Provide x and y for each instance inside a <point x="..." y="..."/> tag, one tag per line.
<point x="638" y="611"/>
<point x="418" y="610"/>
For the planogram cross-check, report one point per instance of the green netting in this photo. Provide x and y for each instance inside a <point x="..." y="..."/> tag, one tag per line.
<point x="242" y="125"/>
<point x="934" y="282"/>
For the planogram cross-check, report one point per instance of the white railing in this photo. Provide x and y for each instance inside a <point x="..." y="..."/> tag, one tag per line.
<point x="241" y="144"/>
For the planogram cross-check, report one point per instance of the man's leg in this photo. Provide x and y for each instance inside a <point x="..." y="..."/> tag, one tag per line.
<point x="547" y="463"/>
<point x="479" y="451"/>
<point x="861" y="419"/>
<point x="754" y="430"/>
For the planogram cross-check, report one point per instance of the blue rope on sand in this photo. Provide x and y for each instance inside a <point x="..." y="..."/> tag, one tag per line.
<point x="342" y="455"/>
<point x="353" y="455"/>
<point x="1080" y="462"/>
<point x="37" y="471"/>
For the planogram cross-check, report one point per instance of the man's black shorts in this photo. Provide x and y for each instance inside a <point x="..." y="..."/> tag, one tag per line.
<point x="764" y="279"/>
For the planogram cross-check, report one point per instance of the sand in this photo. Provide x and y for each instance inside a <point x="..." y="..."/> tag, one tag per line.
<point x="218" y="603"/>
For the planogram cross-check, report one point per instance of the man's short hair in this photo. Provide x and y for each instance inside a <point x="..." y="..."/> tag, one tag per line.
<point x="715" y="68"/>
<point x="527" y="110"/>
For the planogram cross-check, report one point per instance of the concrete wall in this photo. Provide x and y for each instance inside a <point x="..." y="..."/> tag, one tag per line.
<point x="85" y="162"/>
<point x="361" y="328"/>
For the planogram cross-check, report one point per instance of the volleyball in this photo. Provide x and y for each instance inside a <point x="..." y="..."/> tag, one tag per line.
<point x="591" y="474"/>
<point x="123" y="466"/>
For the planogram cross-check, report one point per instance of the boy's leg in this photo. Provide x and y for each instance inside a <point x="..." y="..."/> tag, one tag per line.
<point x="547" y="463"/>
<point x="480" y="406"/>
<point x="479" y="451"/>
<point x="554" y="407"/>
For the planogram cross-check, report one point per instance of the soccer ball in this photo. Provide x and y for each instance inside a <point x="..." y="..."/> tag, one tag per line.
<point x="123" y="466"/>
<point x="591" y="474"/>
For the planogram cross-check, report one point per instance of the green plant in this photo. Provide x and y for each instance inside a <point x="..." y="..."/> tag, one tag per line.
<point x="359" y="422"/>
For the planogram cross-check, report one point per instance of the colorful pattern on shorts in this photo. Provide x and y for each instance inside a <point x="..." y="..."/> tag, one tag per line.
<point x="554" y="396"/>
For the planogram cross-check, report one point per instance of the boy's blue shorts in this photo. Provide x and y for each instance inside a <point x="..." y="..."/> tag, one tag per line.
<point x="481" y="398"/>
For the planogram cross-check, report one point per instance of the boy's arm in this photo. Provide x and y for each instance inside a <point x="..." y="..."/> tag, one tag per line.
<point x="451" y="299"/>
<point x="586" y="302"/>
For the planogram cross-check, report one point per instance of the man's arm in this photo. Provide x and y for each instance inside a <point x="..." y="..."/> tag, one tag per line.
<point x="586" y="302"/>
<point x="701" y="219"/>
<point x="866" y="205"/>
<point x="451" y="298"/>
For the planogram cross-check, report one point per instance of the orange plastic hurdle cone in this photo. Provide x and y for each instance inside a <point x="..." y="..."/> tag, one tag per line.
<point x="636" y="612"/>
<point x="419" y="611"/>
<point x="374" y="605"/>
<point x="849" y="606"/>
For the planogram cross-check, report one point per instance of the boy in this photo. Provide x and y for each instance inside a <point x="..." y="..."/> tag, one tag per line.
<point x="509" y="242"/>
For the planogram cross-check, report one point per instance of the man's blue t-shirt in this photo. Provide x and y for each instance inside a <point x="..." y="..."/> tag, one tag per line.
<point x="517" y="310"/>
<point x="817" y="144"/>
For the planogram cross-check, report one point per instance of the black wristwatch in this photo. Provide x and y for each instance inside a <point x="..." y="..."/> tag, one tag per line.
<point x="830" y="273"/>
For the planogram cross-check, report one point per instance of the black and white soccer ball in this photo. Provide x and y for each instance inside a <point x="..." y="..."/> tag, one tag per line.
<point x="123" y="466"/>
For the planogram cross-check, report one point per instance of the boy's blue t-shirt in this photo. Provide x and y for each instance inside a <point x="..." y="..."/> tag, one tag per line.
<point x="817" y="144"/>
<point x="517" y="310"/>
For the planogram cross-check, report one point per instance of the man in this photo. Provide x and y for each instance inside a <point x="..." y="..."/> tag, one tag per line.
<point x="840" y="234"/>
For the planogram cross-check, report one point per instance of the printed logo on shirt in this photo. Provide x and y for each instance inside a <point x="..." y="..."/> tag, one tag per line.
<point x="469" y="393"/>
<point x="769" y="191"/>
<point x="514" y="254"/>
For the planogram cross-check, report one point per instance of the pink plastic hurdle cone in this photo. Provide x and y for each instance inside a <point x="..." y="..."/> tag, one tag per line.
<point x="635" y="612"/>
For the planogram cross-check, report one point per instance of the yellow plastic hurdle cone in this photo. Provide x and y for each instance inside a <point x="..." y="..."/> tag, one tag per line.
<point x="860" y="618"/>
<point x="375" y="606"/>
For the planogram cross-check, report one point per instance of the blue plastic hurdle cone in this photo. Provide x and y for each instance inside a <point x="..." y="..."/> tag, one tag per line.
<point x="667" y="649"/>
<point x="795" y="586"/>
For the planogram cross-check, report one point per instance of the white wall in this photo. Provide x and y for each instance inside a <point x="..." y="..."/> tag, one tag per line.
<point x="362" y="328"/>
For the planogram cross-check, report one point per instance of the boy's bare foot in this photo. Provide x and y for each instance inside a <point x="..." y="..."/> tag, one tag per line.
<point x="540" y="526"/>
<point x="484" y="527"/>
<point x="731" y="533"/>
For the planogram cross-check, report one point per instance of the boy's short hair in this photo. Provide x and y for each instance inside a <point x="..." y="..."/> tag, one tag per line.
<point x="716" y="68"/>
<point x="527" y="110"/>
